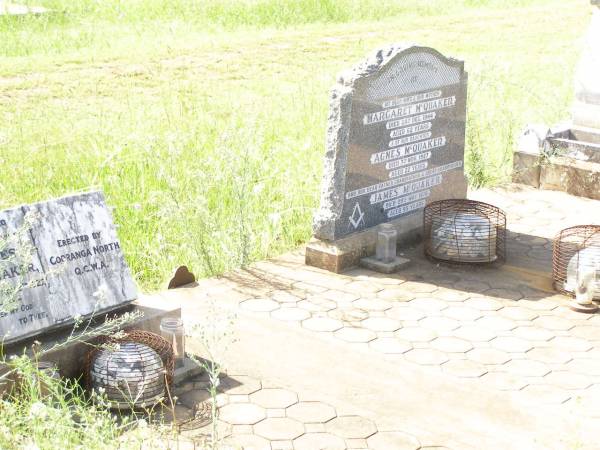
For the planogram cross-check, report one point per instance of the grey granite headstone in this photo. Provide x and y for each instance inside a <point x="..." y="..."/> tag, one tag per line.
<point x="77" y="267"/>
<point x="395" y="141"/>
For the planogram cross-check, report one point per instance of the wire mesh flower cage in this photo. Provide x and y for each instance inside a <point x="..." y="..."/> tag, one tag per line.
<point x="464" y="232"/>
<point x="133" y="369"/>
<point x="576" y="255"/>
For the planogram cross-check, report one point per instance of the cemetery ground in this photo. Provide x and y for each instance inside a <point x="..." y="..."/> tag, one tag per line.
<point x="208" y="139"/>
<point x="210" y="144"/>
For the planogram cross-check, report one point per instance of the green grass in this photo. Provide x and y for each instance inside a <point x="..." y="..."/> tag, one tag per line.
<point x="204" y="121"/>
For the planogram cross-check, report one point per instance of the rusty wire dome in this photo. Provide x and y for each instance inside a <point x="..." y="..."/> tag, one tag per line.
<point x="133" y="370"/>
<point x="464" y="232"/>
<point x="576" y="251"/>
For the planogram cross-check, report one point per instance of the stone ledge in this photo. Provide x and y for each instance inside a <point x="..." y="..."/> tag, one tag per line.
<point x="526" y="168"/>
<point x="70" y="358"/>
<point x="572" y="176"/>
<point x="343" y="254"/>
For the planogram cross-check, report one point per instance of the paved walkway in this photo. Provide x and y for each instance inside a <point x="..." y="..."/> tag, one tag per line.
<point x="431" y="357"/>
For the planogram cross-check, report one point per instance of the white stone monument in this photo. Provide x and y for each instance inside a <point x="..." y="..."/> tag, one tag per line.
<point x="586" y="110"/>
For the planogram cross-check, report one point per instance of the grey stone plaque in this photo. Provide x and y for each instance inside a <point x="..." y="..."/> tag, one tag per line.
<point x="77" y="267"/>
<point x="395" y="141"/>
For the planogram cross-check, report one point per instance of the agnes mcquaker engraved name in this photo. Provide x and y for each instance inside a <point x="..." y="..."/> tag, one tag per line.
<point x="395" y="141"/>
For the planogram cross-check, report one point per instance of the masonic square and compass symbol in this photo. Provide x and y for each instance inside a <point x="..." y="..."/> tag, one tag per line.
<point x="357" y="216"/>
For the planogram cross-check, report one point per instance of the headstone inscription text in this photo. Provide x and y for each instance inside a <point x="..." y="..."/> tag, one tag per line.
<point x="75" y="267"/>
<point x="395" y="141"/>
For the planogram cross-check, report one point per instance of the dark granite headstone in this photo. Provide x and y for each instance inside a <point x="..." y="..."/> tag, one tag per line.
<point x="395" y="142"/>
<point x="76" y="267"/>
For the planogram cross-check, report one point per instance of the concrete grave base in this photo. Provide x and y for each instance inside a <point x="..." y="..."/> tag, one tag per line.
<point x="343" y="254"/>
<point x="190" y="369"/>
<point x="526" y="168"/>
<point x="376" y="265"/>
<point x="566" y="158"/>
<point x="575" y="177"/>
<point x="70" y="358"/>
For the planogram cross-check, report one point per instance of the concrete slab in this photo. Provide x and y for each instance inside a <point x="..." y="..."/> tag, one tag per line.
<point x="70" y="358"/>
<point x="454" y="357"/>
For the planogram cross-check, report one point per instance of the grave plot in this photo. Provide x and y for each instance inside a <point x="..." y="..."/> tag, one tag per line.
<point x="414" y="350"/>
<point x="457" y="356"/>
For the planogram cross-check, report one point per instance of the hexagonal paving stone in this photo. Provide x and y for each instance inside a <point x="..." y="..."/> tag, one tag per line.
<point x="354" y="334"/>
<point x="418" y="287"/>
<point x="247" y="441"/>
<point x="483" y="304"/>
<point x="381" y="324"/>
<point x="322" y="324"/>
<point x="288" y="296"/>
<point x="488" y="356"/>
<point x="340" y="296"/>
<point x="462" y="313"/>
<point x="439" y="323"/>
<point x="553" y="323"/>
<point x="260" y="305"/>
<point x="526" y="368"/>
<point x="518" y="313"/>
<point x="431" y="305"/>
<point x="388" y="440"/>
<point x="314" y="304"/>
<point x="348" y="314"/>
<point x="549" y="355"/>
<point x="533" y="333"/>
<point x="546" y="394"/>
<point x="314" y="441"/>
<point x="239" y="385"/>
<point x="351" y="427"/>
<point x="584" y="366"/>
<point x="242" y="414"/>
<point x="279" y="428"/>
<point x="451" y="345"/>
<point x="571" y="343"/>
<point x="511" y="344"/>
<point x="464" y="368"/>
<point x="373" y="304"/>
<point x="509" y="294"/>
<point x="405" y="313"/>
<point x="290" y="314"/>
<point x="311" y="412"/>
<point x="224" y="429"/>
<point x="544" y="304"/>
<point x="396" y="295"/>
<point x="426" y="356"/>
<point x="471" y="286"/>
<point x="504" y="381"/>
<point x="565" y="312"/>
<point x="586" y="332"/>
<point x="496" y="323"/>
<point x="475" y="334"/>
<point x="451" y="295"/>
<point x="568" y="380"/>
<point x="390" y="345"/>
<point x="363" y="286"/>
<point x="274" y="398"/>
<point x="416" y="334"/>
